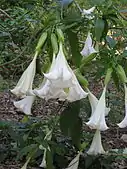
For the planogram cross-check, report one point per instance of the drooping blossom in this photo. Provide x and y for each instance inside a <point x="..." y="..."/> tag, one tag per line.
<point x="43" y="163"/>
<point x="96" y="146"/>
<point x="93" y="103"/>
<point x="26" y="81"/>
<point x="47" y="90"/>
<point x="76" y="92"/>
<point x="88" y="47"/>
<point x="97" y="119"/>
<point x="88" y="13"/>
<point x="25" y="104"/>
<point x="60" y="78"/>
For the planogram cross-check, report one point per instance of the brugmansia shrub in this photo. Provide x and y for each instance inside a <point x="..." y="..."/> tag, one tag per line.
<point x="64" y="78"/>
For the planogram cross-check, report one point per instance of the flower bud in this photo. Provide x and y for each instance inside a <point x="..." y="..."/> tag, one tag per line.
<point x="41" y="41"/>
<point x="121" y="74"/>
<point x="60" y="34"/>
<point x="54" y="43"/>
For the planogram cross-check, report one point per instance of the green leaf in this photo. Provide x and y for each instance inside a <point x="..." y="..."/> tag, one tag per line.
<point x="111" y="41"/>
<point x="115" y="79"/>
<point x="76" y="132"/>
<point x="49" y="159"/>
<point x="4" y="125"/>
<point x="71" y="123"/>
<point x="99" y="28"/>
<point x="73" y="40"/>
<point x="97" y="2"/>
<point x="27" y="150"/>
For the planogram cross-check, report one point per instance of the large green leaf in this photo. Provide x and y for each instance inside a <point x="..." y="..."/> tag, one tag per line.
<point x="49" y="159"/>
<point x="71" y="123"/>
<point x="73" y="40"/>
<point x="99" y="28"/>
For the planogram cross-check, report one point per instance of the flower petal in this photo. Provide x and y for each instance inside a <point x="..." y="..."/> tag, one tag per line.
<point x="43" y="163"/>
<point x="96" y="146"/>
<point x="76" y="92"/>
<point x="88" y="47"/>
<point x="25" y="104"/>
<point x="97" y="120"/>
<point x="88" y="11"/>
<point x="26" y="81"/>
<point x="60" y="76"/>
<point x="94" y="101"/>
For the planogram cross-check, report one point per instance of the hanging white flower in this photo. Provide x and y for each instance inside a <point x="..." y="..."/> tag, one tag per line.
<point x="96" y="146"/>
<point x="123" y="123"/>
<point x="43" y="163"/>
<point x="88" y="47"/>
<point x="97" y="119"/>
<point x="88" y="11"/>
<point x="94" y="101"/>
<point x="60" y="75"/>
<point x="26" y="81"/>
<point x="59" y="78"/>
<point x="75" y="92"/>
<point x="25" y="104"/>
<point x="47" y="90"/>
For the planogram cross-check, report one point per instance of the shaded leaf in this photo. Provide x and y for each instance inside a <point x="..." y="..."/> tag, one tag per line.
<point x="99" y="28"/>
<point x="73" y="40"/>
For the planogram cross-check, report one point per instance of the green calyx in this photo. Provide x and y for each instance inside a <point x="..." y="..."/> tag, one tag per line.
<point x="60" y="35"/>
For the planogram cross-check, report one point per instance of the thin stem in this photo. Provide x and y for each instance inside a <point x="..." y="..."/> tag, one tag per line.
<point x="78" y="6"/>
<point x="5" y="13"/>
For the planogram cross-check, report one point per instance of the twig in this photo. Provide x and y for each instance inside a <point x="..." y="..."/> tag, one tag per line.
<point x="78" y="6"/>
<point x="5" y="13"/>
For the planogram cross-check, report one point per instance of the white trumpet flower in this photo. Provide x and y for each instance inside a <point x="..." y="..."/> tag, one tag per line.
<point x="88" y="11"/>
<point x="47" y="90"/>
<point x="26" y="81"/>
<point x="75" y="92"/>
<point x="94" y="101"/>
<point x="97" y="119"/>
<point x="25" y="104"/>
<point x="96" y="146"/>
<point x="60" y="75"/>
<point x="88" y="47"/>
<point x="123" y="123"/>
<point x="43" y="163"/>
<point x="59" y="78"/>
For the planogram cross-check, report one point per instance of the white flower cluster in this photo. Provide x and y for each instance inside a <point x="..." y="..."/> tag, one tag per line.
<point x="59" y="78"/>
<point x="60" y="82"/>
